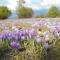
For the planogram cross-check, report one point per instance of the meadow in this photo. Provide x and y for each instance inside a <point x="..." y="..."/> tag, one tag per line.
<point x="30" y="39"/>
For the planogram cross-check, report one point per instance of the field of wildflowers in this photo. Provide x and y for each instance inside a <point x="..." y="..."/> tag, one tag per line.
<point x="38" y="41"/>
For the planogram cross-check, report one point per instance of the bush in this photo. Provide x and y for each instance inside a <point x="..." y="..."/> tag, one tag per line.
<point x="4" y="12"/>
<point x="24" y="12"/>
<point x="53" y="12"/>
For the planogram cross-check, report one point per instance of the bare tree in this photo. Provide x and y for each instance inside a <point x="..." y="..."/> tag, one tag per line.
<point x="20" y="3"/>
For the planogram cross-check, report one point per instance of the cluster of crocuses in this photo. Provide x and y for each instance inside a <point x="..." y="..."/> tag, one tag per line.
<point x="53" y="27"/>
<point x="15" y="36"/>
<point x="43" y="37"/>
<point x="52" y="31"/>
<point x="55" y="30"/>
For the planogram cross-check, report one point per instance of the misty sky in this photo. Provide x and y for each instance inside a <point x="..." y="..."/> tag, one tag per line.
<point x="35" y="4"/>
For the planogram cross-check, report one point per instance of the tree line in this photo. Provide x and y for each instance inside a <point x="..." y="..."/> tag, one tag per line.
<point x="27" y="12"/>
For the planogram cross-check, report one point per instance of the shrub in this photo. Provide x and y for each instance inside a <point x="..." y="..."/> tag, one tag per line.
<point x="24" y="12"/>
<point x="53" y="12"/>
<point x="4" y="12"/>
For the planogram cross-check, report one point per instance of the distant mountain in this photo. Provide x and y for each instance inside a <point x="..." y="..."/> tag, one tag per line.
<point x="13" y="15"/>
<point x="40" y="12"/>
<point x="36" y="13"/>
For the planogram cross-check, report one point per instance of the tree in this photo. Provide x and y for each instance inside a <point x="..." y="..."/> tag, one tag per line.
<point x="24" y="12"/>
<point x="4" y="12"/>
<point x="53" y="12"/>
<point x="20" y="3"/>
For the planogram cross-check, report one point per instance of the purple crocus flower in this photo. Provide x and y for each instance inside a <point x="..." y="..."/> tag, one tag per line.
<point x="46" y="46"/>
<point x="16" y="37"/>
<point x="4" y="35"/>
<point x="46" y="38"/>
<point x="1" y="36"/>
<point x="24" y="32"/>
<point x="44" y="33"/>
<point x="13" y="35"/>
<point x="15" y="44"/>
<point x="31" y="33"/>
<point x="53" y="28"/>
<point x="55" y="33"/>
<point x="7" y="31"/>
<point x="38" y="39"/>
<point x="20" y="33"/>
<point x="22" y="38"/>
<point x="8" y="35"/>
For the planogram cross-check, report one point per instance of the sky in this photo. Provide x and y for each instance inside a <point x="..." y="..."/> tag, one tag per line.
<point x="35" y="4"/>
